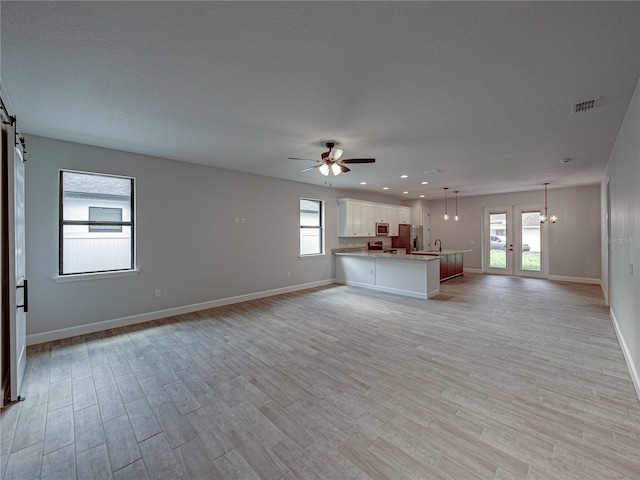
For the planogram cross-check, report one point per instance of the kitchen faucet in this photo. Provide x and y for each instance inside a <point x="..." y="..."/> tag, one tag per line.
<point x="438" y="240"/>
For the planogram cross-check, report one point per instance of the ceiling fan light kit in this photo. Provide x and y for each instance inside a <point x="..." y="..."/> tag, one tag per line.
<point x="331" y="161"/>
<point x="324" y="169"/>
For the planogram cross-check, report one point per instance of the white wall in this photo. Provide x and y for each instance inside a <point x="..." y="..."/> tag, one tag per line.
<point x="574" y="242"/>
<point x="623" y="175"/>
<point x="188" y="243"/>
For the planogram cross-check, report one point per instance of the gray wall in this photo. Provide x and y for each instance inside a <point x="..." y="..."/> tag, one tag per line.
<point x="623" y="175"/>
<point x="574" y="242"/>
<point x="189" y="245"/>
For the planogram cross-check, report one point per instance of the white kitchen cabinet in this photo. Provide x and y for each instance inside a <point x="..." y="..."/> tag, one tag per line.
<point x="404" y="215"/>
<point x="351" y="218"/>
<point x="394" y="215"/>
<point x="372" y="215"/>
<point x="358" y="219"/>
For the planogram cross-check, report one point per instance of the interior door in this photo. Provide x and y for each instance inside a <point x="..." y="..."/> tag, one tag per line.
<point x="15" y="272"/>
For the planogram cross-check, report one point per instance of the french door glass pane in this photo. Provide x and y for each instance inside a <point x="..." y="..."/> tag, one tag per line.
<point x="498" y="240"/>
<point x="531" y="241"/>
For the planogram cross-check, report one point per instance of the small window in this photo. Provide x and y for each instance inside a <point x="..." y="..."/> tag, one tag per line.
<point x="311" y="227"/>
<point x="96" y="223"/>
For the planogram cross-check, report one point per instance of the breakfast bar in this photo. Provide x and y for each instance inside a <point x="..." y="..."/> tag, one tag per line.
<point x="403" y="274"/>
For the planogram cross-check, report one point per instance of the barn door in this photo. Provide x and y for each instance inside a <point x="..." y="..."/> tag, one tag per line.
<point x="15" y="282"/>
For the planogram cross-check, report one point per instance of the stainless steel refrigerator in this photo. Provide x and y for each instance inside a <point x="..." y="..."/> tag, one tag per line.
<point x="409" y="237"/>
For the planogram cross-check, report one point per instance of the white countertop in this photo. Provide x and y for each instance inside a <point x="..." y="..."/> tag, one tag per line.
<point x="443" y="252"/>
<point x="393" y="256"/>
<point x="422" y="256"/>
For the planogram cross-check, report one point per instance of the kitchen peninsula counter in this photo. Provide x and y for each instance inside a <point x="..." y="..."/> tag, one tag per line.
<point x="403" y="274"/>
<point x="451" y="262"/>
<point x="438" y="252"/>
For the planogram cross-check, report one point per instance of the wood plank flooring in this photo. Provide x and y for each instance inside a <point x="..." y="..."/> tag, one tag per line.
<point x="496" y="378"/>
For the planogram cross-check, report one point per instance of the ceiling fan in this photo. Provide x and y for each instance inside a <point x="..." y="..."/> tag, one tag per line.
<point x="331" y="161"/>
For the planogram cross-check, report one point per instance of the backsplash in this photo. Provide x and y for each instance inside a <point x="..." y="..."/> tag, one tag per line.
<point x="362" y="242"/>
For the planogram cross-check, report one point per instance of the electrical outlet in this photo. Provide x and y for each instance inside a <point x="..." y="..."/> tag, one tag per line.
<point x="242" y="220"/>
<point x="288" y="274"/>
<point x="237" y="219"/>
<point x="158" y="293"/>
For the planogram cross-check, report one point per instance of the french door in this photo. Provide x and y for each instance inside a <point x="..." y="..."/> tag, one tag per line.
<point x="515" y="242"/>
<point x="15" y="295"/>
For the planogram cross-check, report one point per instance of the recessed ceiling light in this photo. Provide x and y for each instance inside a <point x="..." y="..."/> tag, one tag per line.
<point x="565" y="161"/>
<point x="363" y="183"/>
<point x="425" y="183"/>
<point x="421" y="196"/>
<point x="405" y="192"/>
<point x="385" y="188"/>
<point x="404" y="176"/>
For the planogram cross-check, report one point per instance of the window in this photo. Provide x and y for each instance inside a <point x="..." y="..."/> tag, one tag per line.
<point x="311" y="227"/>
<point x="96" y="223"/>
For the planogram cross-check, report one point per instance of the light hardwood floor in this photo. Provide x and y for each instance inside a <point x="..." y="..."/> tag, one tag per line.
<point x="497" y="378"/>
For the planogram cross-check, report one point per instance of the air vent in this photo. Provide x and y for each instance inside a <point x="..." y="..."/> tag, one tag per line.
<point x="586" y="105"/>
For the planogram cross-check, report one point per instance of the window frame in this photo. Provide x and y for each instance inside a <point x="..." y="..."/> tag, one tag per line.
<point x="125" y="223"/>
<point x="320" y="228"/>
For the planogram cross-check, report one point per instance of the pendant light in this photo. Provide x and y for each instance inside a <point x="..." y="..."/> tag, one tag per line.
<point x="446" y="215"/>
<point x="456" y="218"/>
<point x="545" y="217"/>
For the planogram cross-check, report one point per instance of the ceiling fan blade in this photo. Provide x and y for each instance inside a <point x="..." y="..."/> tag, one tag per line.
<point x="311" y="168"/>
<point x="358" y="160"/>
<point x="344" y="168"/>
<point x="298" y="158"/>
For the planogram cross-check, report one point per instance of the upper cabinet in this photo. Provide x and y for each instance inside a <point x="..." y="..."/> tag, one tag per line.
<point x="358" y="218"/>
<point x="350" y="215"/>
<point x="404" y="215"/>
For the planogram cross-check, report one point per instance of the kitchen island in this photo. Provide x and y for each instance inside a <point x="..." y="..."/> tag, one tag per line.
<point x="410" y="275"/>
<point x="450" y="262"/>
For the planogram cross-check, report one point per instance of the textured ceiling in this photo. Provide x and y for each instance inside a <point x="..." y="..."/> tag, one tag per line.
<point x="481" y="91"/>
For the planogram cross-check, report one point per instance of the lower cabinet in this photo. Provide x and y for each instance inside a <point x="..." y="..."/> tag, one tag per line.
<point x="444" y="269"/>
<point x="450" y="266"/>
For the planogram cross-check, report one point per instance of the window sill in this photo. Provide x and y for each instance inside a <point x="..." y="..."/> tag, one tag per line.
<point x="313" y="255"/>
<point x="94" y="276"/>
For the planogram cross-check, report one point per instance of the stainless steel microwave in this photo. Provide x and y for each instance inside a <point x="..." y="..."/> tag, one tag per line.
<point x="382" y="229"/>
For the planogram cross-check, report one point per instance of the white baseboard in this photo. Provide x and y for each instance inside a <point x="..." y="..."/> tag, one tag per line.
<point x="170" y="312"/>
<point x="560" y="278"/>
<point x="472" y="270"/>
<point x="633" y="371"/>
<point x="396" y="291"/>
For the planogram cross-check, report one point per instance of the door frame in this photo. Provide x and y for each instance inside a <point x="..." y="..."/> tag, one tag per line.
<point x="486" y="244"/>
<point x="426" y="229"/>
<point x="544" y="243"/>
<point x="514" y="241"/>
